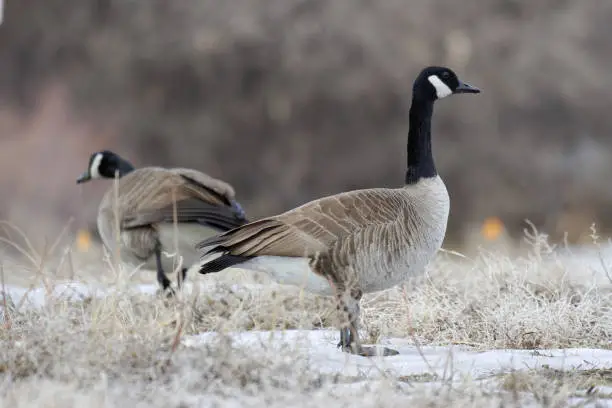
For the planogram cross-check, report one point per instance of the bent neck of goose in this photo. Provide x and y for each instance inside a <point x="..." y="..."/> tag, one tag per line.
<point x="420" y="158"/>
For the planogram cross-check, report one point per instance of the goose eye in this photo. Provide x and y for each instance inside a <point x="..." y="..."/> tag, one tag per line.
<point x="445" y="75"/>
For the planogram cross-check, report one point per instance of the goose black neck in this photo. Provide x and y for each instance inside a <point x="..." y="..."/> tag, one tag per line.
<point x="420" y="158"/>
<point x="123" y="167"/>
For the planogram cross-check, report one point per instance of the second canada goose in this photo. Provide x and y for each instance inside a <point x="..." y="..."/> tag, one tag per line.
<point x="147" y="201"/>
<point x="359" y="241"/>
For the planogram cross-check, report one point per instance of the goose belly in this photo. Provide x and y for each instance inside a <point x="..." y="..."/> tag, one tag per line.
<point x="290" y="271"/>
<point x="402" y="256"/>
<point x="137" y="246"/>
<point x="134" y="247"/>
<point x="184" y="243"/>
<point x="383" y="272"/>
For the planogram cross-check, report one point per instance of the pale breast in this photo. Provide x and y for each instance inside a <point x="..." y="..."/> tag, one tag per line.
<point x="392" y="253"/>
<point x="135" y="246"/>
<point x="106" y="225"/>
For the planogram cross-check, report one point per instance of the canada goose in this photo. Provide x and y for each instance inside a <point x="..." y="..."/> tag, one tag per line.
<point x="204" y="207"/>
<point x="359" y="241"/>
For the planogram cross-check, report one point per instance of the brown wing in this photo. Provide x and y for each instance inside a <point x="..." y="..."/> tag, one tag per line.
<point x="308" y="229"/>
<point x="206" y="184"/>
<point x="154" y="195"/>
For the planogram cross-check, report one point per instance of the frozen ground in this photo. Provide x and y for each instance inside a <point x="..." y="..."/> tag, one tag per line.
<point x="483" y="332"/>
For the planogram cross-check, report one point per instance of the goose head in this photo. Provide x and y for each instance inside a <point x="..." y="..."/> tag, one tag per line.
<point x="439" y="82"/>
<point x="104" y="164"/>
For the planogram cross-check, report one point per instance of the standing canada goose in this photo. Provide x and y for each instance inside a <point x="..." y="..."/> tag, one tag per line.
<point x="147" y="200"/>
<point x="359" y="241"/>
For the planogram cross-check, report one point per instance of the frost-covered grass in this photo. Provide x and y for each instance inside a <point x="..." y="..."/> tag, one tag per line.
<point x="483" y="331"/>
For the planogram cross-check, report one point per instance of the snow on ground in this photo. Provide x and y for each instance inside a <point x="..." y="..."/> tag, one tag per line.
<point x="438" y="361"/>
<point x="321" y="344"/>
<point x="497" y="279"/>
<point x="433" y="363"/>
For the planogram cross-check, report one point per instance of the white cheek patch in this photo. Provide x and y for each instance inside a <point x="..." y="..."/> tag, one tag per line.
<point x="442" y="90"/>
<point x="94" y="172"/>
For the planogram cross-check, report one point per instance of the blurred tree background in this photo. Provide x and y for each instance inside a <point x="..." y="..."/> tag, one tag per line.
<point x="290" y="100"/>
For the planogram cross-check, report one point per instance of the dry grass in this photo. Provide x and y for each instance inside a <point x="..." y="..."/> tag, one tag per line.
<point x="498" y="301"/>
<point x="124" y="349"/>
<point x="534" y="381"/>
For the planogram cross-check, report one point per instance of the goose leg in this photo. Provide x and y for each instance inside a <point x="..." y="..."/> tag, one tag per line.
<point x="180" y="277"/>
<point x="349" y="335"/>
<point x="163" y="281"/>
<point x="345" y="338"/>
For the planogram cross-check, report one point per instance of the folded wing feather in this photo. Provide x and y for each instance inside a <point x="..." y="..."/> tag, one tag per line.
<point x="311" y="228"/>
<point x="182" y="193"/>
